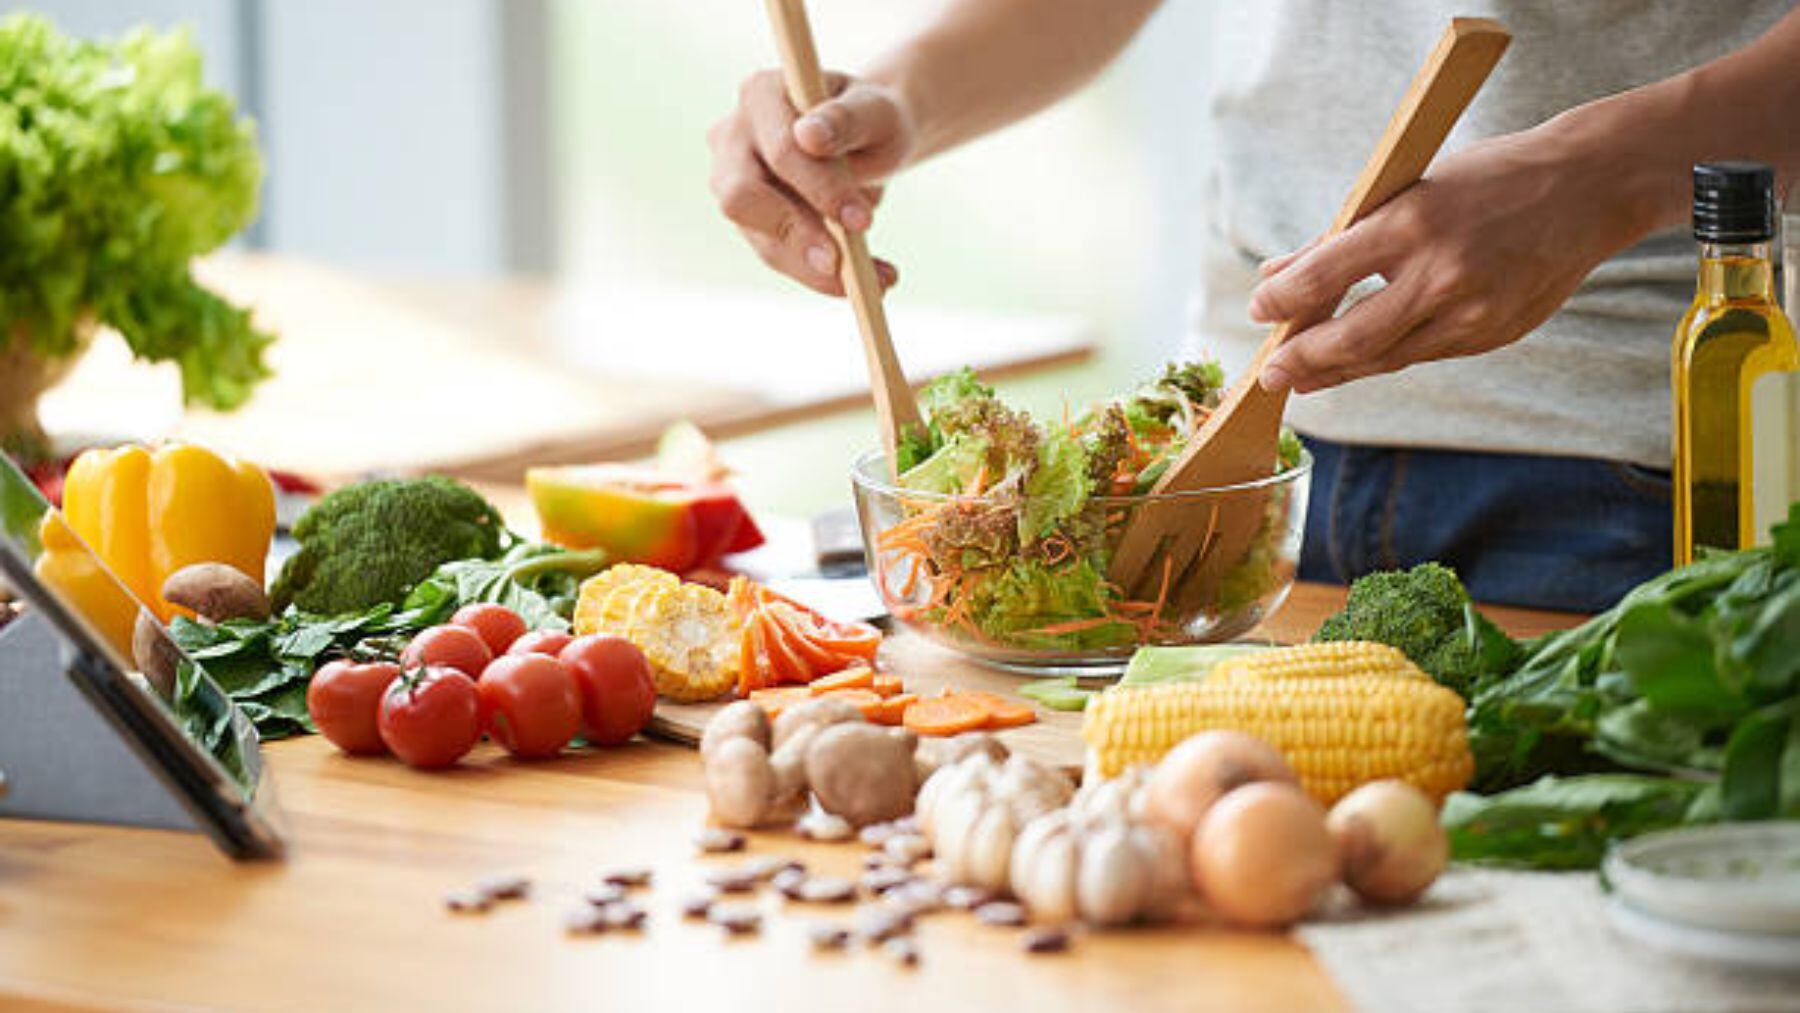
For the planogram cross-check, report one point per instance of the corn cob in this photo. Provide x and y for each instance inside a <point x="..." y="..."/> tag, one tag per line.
<point x="1342" y="717"/>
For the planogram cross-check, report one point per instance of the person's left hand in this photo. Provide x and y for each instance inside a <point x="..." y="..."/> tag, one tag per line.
<point x="1476" y="255"/>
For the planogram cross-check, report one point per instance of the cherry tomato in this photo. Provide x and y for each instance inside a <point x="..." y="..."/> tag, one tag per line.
<point x="497" y="625"/>
<point x="344" y="699"/>
<point x="430" y="717"/>
<point x="455" y="647"/>
<point x="529" y="704"/>
<point x="549" y="642"/>
<point x="617" y="693"/>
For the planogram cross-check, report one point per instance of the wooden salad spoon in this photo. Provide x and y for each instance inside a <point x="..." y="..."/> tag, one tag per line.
<point x="1178" y="555"/>
<point x="896" y="410"/>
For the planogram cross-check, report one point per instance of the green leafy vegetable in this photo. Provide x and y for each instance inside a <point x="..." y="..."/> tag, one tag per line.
<point x="1563" y="822"/>
<point x="369" y="543"/>
<point x="117" y="167"/>
<point x="539" y="582"/>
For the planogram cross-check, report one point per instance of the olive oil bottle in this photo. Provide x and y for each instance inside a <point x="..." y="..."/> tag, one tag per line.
<point x="1734" y="370"/>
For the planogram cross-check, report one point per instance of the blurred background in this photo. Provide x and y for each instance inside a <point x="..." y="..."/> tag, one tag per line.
<point x="419" y="143"/>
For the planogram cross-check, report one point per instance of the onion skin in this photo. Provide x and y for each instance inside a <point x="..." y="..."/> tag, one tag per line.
<point x="1262" y="857"/>
<point x="1389" y="842"/>
<point x="1202" y="769"/>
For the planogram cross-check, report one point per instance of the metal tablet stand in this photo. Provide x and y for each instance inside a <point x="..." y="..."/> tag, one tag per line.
<point x="62" y="760"/>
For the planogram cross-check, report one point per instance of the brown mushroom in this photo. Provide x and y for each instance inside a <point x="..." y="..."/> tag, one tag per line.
<point x="823" y="712"/>
<point x="156" y="655"/>
<point x="216" y="592"/>
<point x="743" y="719"/>
<point x="739" y="783"/>
<point x="861" y="772"/>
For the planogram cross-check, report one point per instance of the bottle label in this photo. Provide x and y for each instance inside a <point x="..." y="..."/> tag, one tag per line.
<point x="1775" y="451"/>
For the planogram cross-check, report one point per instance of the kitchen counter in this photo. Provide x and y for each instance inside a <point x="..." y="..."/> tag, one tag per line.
<point x="103" y="916"/>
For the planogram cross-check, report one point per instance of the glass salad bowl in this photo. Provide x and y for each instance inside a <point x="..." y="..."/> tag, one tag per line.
<point x="961" y="570"/>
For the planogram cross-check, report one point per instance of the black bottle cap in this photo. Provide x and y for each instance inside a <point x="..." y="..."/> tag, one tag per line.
<point x="1734" y="202"/>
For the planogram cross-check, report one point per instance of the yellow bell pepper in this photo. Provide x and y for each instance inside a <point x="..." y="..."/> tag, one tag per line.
<point x="148" y="513"/>
<point x="84" y="584"/>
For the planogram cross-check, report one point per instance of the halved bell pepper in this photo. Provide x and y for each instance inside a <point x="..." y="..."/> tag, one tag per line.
<point x="640" y="515"/>
<point x="147" y="513"/>
<point x="77" y="575"/>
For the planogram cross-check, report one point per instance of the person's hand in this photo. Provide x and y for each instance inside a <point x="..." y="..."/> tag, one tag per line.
<point x="777" y="176"/>
<point x="1476" y="255"/>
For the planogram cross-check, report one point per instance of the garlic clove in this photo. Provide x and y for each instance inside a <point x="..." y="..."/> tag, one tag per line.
<point x="1113" y="880"/>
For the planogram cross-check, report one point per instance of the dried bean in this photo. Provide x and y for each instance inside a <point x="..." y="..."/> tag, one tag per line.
<point x="586" y="921"/>
<point x="902" y="950"/>
<point x="827" y="890"/>
<point x="1000" y="912"/>
<point x="738" y="880"/>
<point x="629" y="877"/>
<point x="766" y="866"/>
<point x="717" y="840"/>
<point x="789" y="883"/>
<point x="506" y="887"/>
<point x="698" y="905"/>
<point x="604" y="894"/>
<point x="886" y="878"/>
<point x="907" y="849"/>
<point x="737" y="919"/>
<point x="624" y="915"/>
<point x="876" y="834"/>
<point x="877" y="923"/>
<point x="1046" y="940"/>
<point x="967" y="898"/>
<point x="468" y="901"/>
<point x="827" y="936"/>
<point x="920" y="897"/>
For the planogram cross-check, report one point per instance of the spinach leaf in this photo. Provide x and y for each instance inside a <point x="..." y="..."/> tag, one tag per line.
<point x="1563" y="822"/>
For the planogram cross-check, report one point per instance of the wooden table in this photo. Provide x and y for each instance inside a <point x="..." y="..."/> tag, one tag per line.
<point x="481" y="377"/>
<point x="101" y="916"/>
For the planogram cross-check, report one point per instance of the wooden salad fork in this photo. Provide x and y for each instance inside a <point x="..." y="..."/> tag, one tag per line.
<point x="896" y="410"/>
<point x="1176" y="555"/>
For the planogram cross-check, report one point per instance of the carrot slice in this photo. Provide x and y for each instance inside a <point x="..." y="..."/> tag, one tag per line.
<point x="860" y="677"/>
<point x="865" y="700"/>
<point x="787" y="667"/>
<point x="795" y="625"/>
<point x="776" y="699"/>
<point x="1002" y="712"/>
<point x="893" y="709"/>
<point x="887" y="685"/>
<point x="750" y="661"/>
<point x="946" y="715"/>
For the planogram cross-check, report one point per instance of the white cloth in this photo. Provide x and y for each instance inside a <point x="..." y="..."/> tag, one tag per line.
<point x="1512" y="942"/>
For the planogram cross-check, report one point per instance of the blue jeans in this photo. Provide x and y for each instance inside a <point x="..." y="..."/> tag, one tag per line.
<point x="1549" y="532"/>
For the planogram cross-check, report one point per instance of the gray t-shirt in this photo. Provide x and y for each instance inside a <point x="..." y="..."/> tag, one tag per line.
<point x="1302" y="88"/>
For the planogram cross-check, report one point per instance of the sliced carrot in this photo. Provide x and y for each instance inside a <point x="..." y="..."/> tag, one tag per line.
<point x="860" y="677"/>
<point x="865" y="700"/>
<point x="887" y="685"/>
<point x="795" y="625"/>
<point x="776" y="699"/>
<point x="749" y="662"/>
<point x="786" y="666"/>
<point x="893" y="708"/>
<point x="1002" y="712"/>
<point x="946" y="715"/>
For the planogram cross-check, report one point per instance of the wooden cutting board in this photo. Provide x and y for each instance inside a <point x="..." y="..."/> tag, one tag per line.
<point x="925" y="668"/>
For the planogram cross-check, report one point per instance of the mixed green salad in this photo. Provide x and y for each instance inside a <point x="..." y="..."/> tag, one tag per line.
<point x="1012" y="548"/>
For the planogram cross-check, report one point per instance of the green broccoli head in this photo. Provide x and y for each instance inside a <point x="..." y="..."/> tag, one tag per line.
<point x="1426" y="613"/>
<point x="370" y="542"/>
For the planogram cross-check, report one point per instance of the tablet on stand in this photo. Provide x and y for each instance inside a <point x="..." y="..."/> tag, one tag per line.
<point x="84" y="734"/>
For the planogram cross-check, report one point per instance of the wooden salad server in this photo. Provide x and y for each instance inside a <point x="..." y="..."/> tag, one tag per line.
<point x="1166" y="552"/>
<point x="896" y="410"/>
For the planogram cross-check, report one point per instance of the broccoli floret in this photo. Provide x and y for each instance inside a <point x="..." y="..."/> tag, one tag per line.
<point x="370" y="542"/>
<point x="1426" y="613"/>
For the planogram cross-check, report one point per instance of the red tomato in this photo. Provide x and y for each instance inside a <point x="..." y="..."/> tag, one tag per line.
<point x="617" y="693"/>
<point x="455" y="647"/>
<point x="549" y="642"/>
<point x="529" y="704"/>
<point x="430" y="717"/>
<point x="497" y="625"/>
<point x="344" y="698"/>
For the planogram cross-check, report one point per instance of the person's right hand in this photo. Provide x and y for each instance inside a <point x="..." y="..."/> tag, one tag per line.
<point x="778" y="176"/>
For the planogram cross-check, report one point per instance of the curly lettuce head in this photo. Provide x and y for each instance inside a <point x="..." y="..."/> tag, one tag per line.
<point x="118" y="165"/>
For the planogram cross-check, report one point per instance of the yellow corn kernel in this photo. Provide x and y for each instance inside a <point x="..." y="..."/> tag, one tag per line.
<point x="1338" y="659"/>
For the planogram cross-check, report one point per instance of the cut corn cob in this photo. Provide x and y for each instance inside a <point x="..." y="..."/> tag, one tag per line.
<point x="1339" y="728"/>
<point x="1337" y="659"/>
